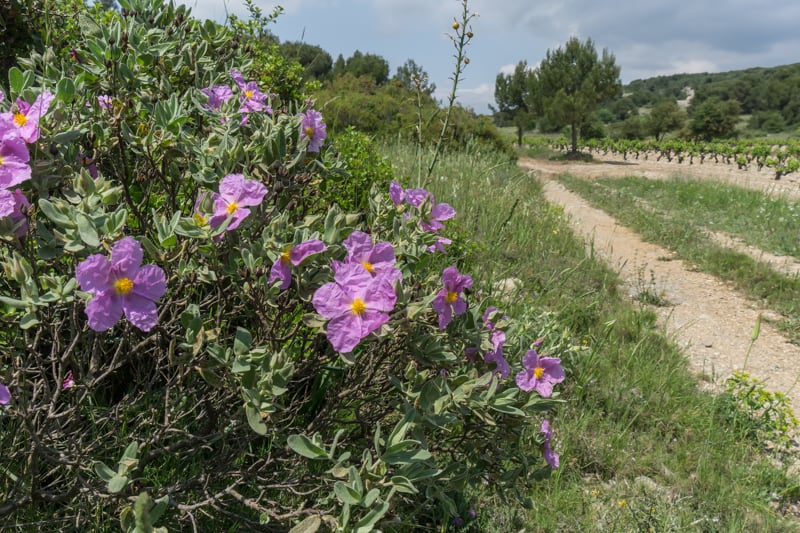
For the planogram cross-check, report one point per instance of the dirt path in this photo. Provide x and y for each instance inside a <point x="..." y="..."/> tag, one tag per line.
<point x="711" y="321"/>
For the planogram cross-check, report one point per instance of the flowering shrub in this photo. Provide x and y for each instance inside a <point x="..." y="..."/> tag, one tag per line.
<point x="354" y="391"/>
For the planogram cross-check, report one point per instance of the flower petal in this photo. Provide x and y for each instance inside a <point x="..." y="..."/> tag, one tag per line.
<point x="94" y="274"/>
<point x="304" y="249"/>
<point x="5" y="394"/>
<point x="281" y="271"/>
<point x="344" y="332"/>
<point x="104" y="310"/>
<point x="140" y="311"/>
<point x="126" y="256"/>
<point x="150" y="282"/>
<point x="331" y="301"/>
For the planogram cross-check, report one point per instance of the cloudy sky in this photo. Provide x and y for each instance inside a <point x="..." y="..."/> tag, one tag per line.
<point x="647" y="37"/>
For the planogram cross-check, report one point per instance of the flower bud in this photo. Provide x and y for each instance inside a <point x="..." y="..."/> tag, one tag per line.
<point x="466" y="61"/>
<point x="470" y="34"/>
<point x="456" y="25"/>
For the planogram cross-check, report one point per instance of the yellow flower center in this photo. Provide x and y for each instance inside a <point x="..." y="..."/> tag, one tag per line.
<point x="368" y="266"/>
<point x="285" y="257"/>
<point x="232" y="207"/>
<point x="20" y="119"/>
<point x="451" y="297"/>
<point x="248" y="94"/>
<point x="538" y="372"/>
<point x="123" y="286"/>
<point x="310" y="132"/>
<point x="200" y="219"/>
<point x="358" y="306"/>
<point x="1" y="161"/>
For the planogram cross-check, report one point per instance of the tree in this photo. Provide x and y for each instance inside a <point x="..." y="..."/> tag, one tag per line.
<point x="665" y="116"/>
<point x="572" y="81"/>
<point x="714" y="118"/>
<point x="410" y="75"/>
<point x="512" y="93"/>
<point x="372" y="66"/>
<point x="316" y="61"/>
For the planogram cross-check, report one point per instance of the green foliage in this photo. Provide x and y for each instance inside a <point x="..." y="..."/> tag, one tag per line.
<point x="766" y="416"/>
<point x="664" y="117"/>
<point x="414" y="77"/>
<point x="514" y="96"/>
<point x="316" y="61"/>
<point x="365" y="168"/>
<point x="572" y="81"/>
<point x="234" y="406"/>
<point x="714" y="118"/>
<point x="371" y="66"/>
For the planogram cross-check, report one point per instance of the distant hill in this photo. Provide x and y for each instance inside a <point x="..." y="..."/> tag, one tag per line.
<point x="758" y="90"/>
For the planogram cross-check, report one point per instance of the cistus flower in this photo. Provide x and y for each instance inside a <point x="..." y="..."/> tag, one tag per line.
<point x="121" y="286"/>
<point x="540" y="374"/>
<point x="293" y="255"/>
<point x="377" y="259"/>
<point x="217" y="95"/>
<point x="251" y="98"/>
<point x="313" y="128"/>
<point x="495" y="355"/>
<point x="14" y="205"/>
<point x="5" y="394"/>
<point x="449" y="301"/>
<point x="550" y="456"/>
<point x="14" y="157"/>
<point x="68" y="382"/>
<point x="438" y="214"/>
<point x="235" y="195"/>
<point x="356" y="304"/>
<point x="106" y="102"/>
<point x="25" y="120"/>
<point x="439" y="245"/>
<point x="396" y="193"/>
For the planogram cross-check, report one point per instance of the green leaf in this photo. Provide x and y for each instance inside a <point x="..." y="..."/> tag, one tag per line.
<point x="303" y="446"/>
<point x="65" y="90"/>
<point x="131" y="451"/>
<point x="102" y="470"/>
<point x="13" y="302"/>
<point x="309" y="525"/>
<point x="53" y="214"/>
<point x="242" y="341"/>
<point x="406" y="456"/>
<point x="117" y="483"/>
<point x="370" y="498"/>
<point x="365" y="524"/>
<point x="16" y="81"/>
<point x="86" y="230"/>
<point x="403" y="484"/>
<point x="255" y="420"/>
<point x="346" y="493"/>
<point x="28" y="320"/>
<point x="506" y="409"/>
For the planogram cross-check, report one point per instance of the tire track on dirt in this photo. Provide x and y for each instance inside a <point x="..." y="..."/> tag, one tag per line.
<point x="709" y="320"/>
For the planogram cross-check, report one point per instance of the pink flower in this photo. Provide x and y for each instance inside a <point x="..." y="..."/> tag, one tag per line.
<point x="5" y="395"/>
<point x="15" y="205"/>
<point x="356" y="304"/>
<point x="439" y="245"/>
<point x="449" y="300"/>
<point x="438" y="214"/>
<point x="495" y="355"/>
<point x="217" y="95"/>
<point x="396" y="193"/>
<point x="377" y="259"/>
<point x="251" y="98"/>
<point x="68" y="382"/>
<point x="549" y="455"/>
<point x="121" y="286"/>
<point x="294" y="255"/>
<point x="14" y="167"/>
<point x="313" y="128"/>
<point x="106" y="102"/>
<point x="540" y="374"/>
<point x="235" y="195"/>
<point x="25" y="120"/>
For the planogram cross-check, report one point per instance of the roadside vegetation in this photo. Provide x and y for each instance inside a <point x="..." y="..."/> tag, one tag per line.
<point x="643" y="447"/>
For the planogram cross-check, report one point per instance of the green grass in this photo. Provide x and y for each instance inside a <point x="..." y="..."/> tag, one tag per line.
<point x="677" y="213"/>
<point x="641" y="445"/>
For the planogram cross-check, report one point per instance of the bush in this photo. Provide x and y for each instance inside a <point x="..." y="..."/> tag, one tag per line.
<point x="189" y="333"/>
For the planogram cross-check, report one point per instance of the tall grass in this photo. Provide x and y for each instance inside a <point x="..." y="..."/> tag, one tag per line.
<point x="642" y="447"/>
